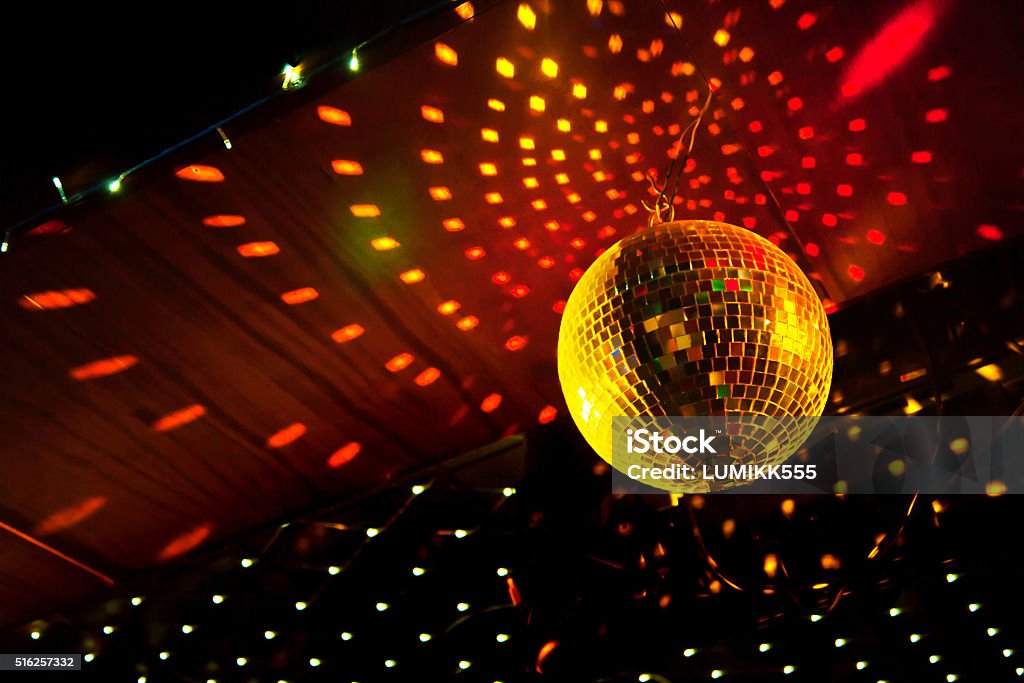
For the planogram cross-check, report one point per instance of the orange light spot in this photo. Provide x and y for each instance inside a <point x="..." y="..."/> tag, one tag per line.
<point x="595" y="154"/>
<point x="563" y="125"/>
<point x="288" y="435"/>
<point x="531" y="183"/>
<point x="775" y="77"/>
<point x="224" y="221"/>
<point x="771" y="564"/>
<point x="493" y="198"/>
<point x="546" y="262"/>
<point x="519" y="291"/>
<point x="453" y="224"/>
<point x="344" y="455"/>
<point x="440" y="193"/>
<point x="537" y="103"/>
<point x="299" y="296"/>
<point x="561" y="178"/>
<point x="488" y="135"/>
<point x="549" y="67"/>
<point x="103" y="368"/>
<point x="346" y="167"/>
<point x="526" y="142"/>
<point x="446" y="54"/>
<point x="746" y="54"/>
<point x="385" y="243"/>
<point x="465" y="10"/>
<point x="333" y="116"/>
<point x="467" y="323"/>
<point x="411" y="277"/>
<point x="448" y="307"/>
<point x="601" y="126"/>
<point x="615" y="43"/>
<point x="475" y="253"/>
<point x="179" y="418"/>
<point x="348" y="333"/>
<point x="69" y="516"/>
<point x="432" y="114"/>
<point x="399" y="362"/>
<point x="990" y="232"/>
<point x="526" y="16"/>
<point x="365" y="210"/>
<point x="427" y="377"/>
<point x="431" y="156"/>
<point x="721" y="37"/>
<point x="539" y="204"/>
<point x="496" y="105"/>
<point x="548" y="648"/>
<point x="501" y="278"/>
<point x="507" y="222"/>
<point x="200" y="174"/>
<point x="547" y="414"/>
<point x="552" y="226"/>
<point x="491" y="403"/>
<point x="579" y="91"/>
<point x="488" y="169"/>
<point x="258" y="249"/>
<point x="522" y="244"/>
<point x="185" y="542"/>
<point x="505" y="68"/>
<point x="515" y="343"/>
<point x="558" y="155"/>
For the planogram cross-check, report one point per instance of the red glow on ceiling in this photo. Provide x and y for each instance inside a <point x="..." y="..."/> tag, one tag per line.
<point x="876" y="236"/>
<point x="334" y="116"/>
<point x="179" y="418"/>
<point x="856" y="272"/>
<point x="547" y="414"/>
<point x="896" y="198"/>
<point x="224" y="221"/>
<point x="186" y="542"/>
<point x="44" y="301"/>
<point x="299" y="296"/>
<point x="258" y="249"/>
<point x="427" y="377"/>
<point x="286" y="436"/>
<point x="891" y="47"/>
<point x="347" y="333"/>
<point x="491" y="403"/>
<point x="990" y="232"/>
<point x="48" y="228"/>
<point x="344" y="455"/>
<point x="103" y="368"/>
<point x="69" y="516"/>
<point x="201" y="174"/>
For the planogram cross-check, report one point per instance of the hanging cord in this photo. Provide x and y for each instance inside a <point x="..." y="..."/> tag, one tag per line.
<point x="664" y="201"/>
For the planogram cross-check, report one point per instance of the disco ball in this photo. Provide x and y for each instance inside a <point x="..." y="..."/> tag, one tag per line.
<point x="692" y="319"/>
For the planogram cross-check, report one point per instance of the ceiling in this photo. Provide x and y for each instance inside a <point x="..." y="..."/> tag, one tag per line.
<point x="371" y="281"/>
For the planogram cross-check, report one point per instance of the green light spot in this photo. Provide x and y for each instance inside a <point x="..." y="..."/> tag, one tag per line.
<point x="718" y="285"/>
<point x="703" y="298"/>
<point x="723" y="391"/>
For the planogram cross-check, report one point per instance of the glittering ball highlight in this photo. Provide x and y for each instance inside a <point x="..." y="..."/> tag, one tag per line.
<point x="691" y="319"/>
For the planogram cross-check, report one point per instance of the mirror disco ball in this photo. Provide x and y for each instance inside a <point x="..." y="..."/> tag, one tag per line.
<point x="696" y="318"/>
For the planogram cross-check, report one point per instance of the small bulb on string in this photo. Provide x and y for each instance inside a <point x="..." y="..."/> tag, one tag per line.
<point x="353" y="61"/>
<point x="60" y="189"/>
<point x="114" y="185"/>
<point x="345" y="635"/>
<point x="246" y="563"/>
<point x="292" y="77"/>
<point x="334" y="570"/>
<point x="136" y="601"/>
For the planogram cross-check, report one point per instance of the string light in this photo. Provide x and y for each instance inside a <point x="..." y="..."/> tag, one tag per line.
<point x="371" y="532"/>
<point x="164" y="656"/>
<point x="107" y="630"/>
<point x="974" y="607"/>
<point x="314" y="661"/>
<point x="915" y="637"/>
<point x="217" y="599"/>
<point x="788" y="669"/>
<point x="390" y="663"/>
<point x="764" y="647"/>
<point x="465" y="664"/>
<point x="345" y="635"/>
<point x="35" y="635"/>
<point x="508" y="491"/>
<point x="224" y="138"/>
<point x="689" y="652"/>
<point x="418" y="571"/>
<point x="934" y="659"/>
<point x="300" y="605"/>
<point x="418" y="489"/>
<point x="114" y="185"/>
<point x="382" y="606"/>
<point x="291" y="77"/>
<point x="717" y="673"/>
<point x="353" y="61"/>
<point x="462" y="606"/>
<point x="269" y="635"/>
<point x="246" y="563"/>
<point x="425" y="637"/>
<point x="241" y="661"/>
<point x="186" y="629"/>
<point x="60" y="189"/>
<point x="136" y="601"/>
<point x="501" y="637"/>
